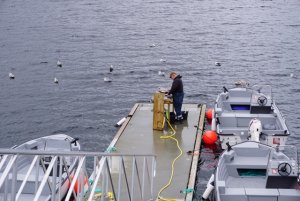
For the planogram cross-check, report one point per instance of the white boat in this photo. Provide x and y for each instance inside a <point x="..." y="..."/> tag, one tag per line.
<point x="236" y="109"/>
<point x="22" y="175"/>
<point x="251" y="171"/>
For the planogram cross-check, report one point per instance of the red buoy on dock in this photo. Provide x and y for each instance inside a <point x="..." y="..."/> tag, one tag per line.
<point x="210" y="137"/>
<point x="77" y="183"/>
<point x="209" y="113"/>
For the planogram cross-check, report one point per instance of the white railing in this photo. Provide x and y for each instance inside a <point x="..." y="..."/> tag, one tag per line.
<point x="29" y="175"/>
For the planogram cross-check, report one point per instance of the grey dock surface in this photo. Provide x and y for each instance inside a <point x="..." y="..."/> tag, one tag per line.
<point x="137" y="136"/>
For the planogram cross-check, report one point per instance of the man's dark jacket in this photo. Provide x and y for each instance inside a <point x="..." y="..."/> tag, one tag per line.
<point x="177" y="85"/>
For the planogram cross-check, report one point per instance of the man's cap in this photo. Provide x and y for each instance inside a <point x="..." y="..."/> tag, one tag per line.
<point x="172" y="73"/>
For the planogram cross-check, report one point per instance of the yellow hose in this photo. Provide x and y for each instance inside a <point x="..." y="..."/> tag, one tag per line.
<point x="172" y="173"/>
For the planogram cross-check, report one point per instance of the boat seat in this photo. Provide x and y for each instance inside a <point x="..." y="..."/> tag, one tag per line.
<point x="221" y="187"/>
<point x="288" y="195"/>
<point x="274" y="132"/>
<point x="267" y="122"/>
<point x="232" y="130"/>
<point x="246" y="182"/>
<point x="227" y="121"/>
<point x="260" y="162"/>
<point x="262" y="194"/>
<point x="245" y="163"/>
<point x="234" y="194"/>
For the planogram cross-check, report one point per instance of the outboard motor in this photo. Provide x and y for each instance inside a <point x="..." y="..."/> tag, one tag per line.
<point x="255" y="129"/>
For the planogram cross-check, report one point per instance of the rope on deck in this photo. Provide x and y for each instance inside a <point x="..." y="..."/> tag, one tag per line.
<point x="172" y="172"/>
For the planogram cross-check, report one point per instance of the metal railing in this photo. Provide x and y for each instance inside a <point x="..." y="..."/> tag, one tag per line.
<point x="49" y="175"/>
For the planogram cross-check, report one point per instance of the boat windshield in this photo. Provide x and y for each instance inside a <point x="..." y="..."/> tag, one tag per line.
<point x="263" y="89"/>
<point x="287" y="154"/>
<point x="290" y="151"/>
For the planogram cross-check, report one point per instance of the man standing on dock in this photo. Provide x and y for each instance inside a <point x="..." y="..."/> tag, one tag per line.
<point x="177" y="93"/>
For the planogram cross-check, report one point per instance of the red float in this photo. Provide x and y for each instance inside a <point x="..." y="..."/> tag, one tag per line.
<point x="209" y="113"/>
<point x="210" y="137"/>
<point x="77" y="183"/>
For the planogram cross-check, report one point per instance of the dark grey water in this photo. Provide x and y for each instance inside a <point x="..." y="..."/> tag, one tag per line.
<point x="255" y="40"/>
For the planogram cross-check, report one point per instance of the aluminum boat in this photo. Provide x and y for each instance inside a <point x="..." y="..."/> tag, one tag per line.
<point x="236" y="109"/>
<point x="252" y="171"/>
<point x="22" y="175"/>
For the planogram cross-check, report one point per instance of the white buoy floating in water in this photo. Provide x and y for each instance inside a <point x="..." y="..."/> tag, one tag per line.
<point x="59" y="64"/>
<point x="120" y="122"/>
<point x="217" y="63"/>
<point x="152" y="45"/>
<point x="107" y="79"/>
<point x="292" y="75"/>
<point x="55" y="80"/>
<point x="11" y="76"/>
<point x="163" y="60"/>
<point x="161" y="73"/>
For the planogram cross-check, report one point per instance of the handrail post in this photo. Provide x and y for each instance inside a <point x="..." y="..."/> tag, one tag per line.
<point x="132" y="176"/>
<point x="120" y="179"/>
<point x="45" y="179"/>
<point x="81" y="161"/>
<point x="37" y="165"/>
<point x="3" y="160"/>
<point x="143" y="176"/>
<point x="60" y="177"/>
<point x="103" y="181"/>
<point x="152" y="175"/>
<point x="69" y="176"/>
<point x="126" y="179"/>
<point x="138" y="178"/>
<point x="13" y="182"/>
<point x="110" y="179"/>
<point x="6" y="189"/>
<point x="54" y="175"/>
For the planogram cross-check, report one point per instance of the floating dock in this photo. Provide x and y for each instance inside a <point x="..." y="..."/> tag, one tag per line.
<point x="136" y="135"/>
<point x="140" y="164"/>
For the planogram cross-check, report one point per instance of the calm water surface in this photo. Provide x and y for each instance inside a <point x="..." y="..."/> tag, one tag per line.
<point x="255" y="40"/>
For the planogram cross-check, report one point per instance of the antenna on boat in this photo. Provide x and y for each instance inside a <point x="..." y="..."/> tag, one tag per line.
<point x="225" y="89"/>
<point x="75" y="141"/>
<point x="228" y="146"/>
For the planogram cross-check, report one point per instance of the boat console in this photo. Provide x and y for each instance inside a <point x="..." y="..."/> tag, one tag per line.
<point x="282" y="171"/>
<point x="260" y="103"/>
